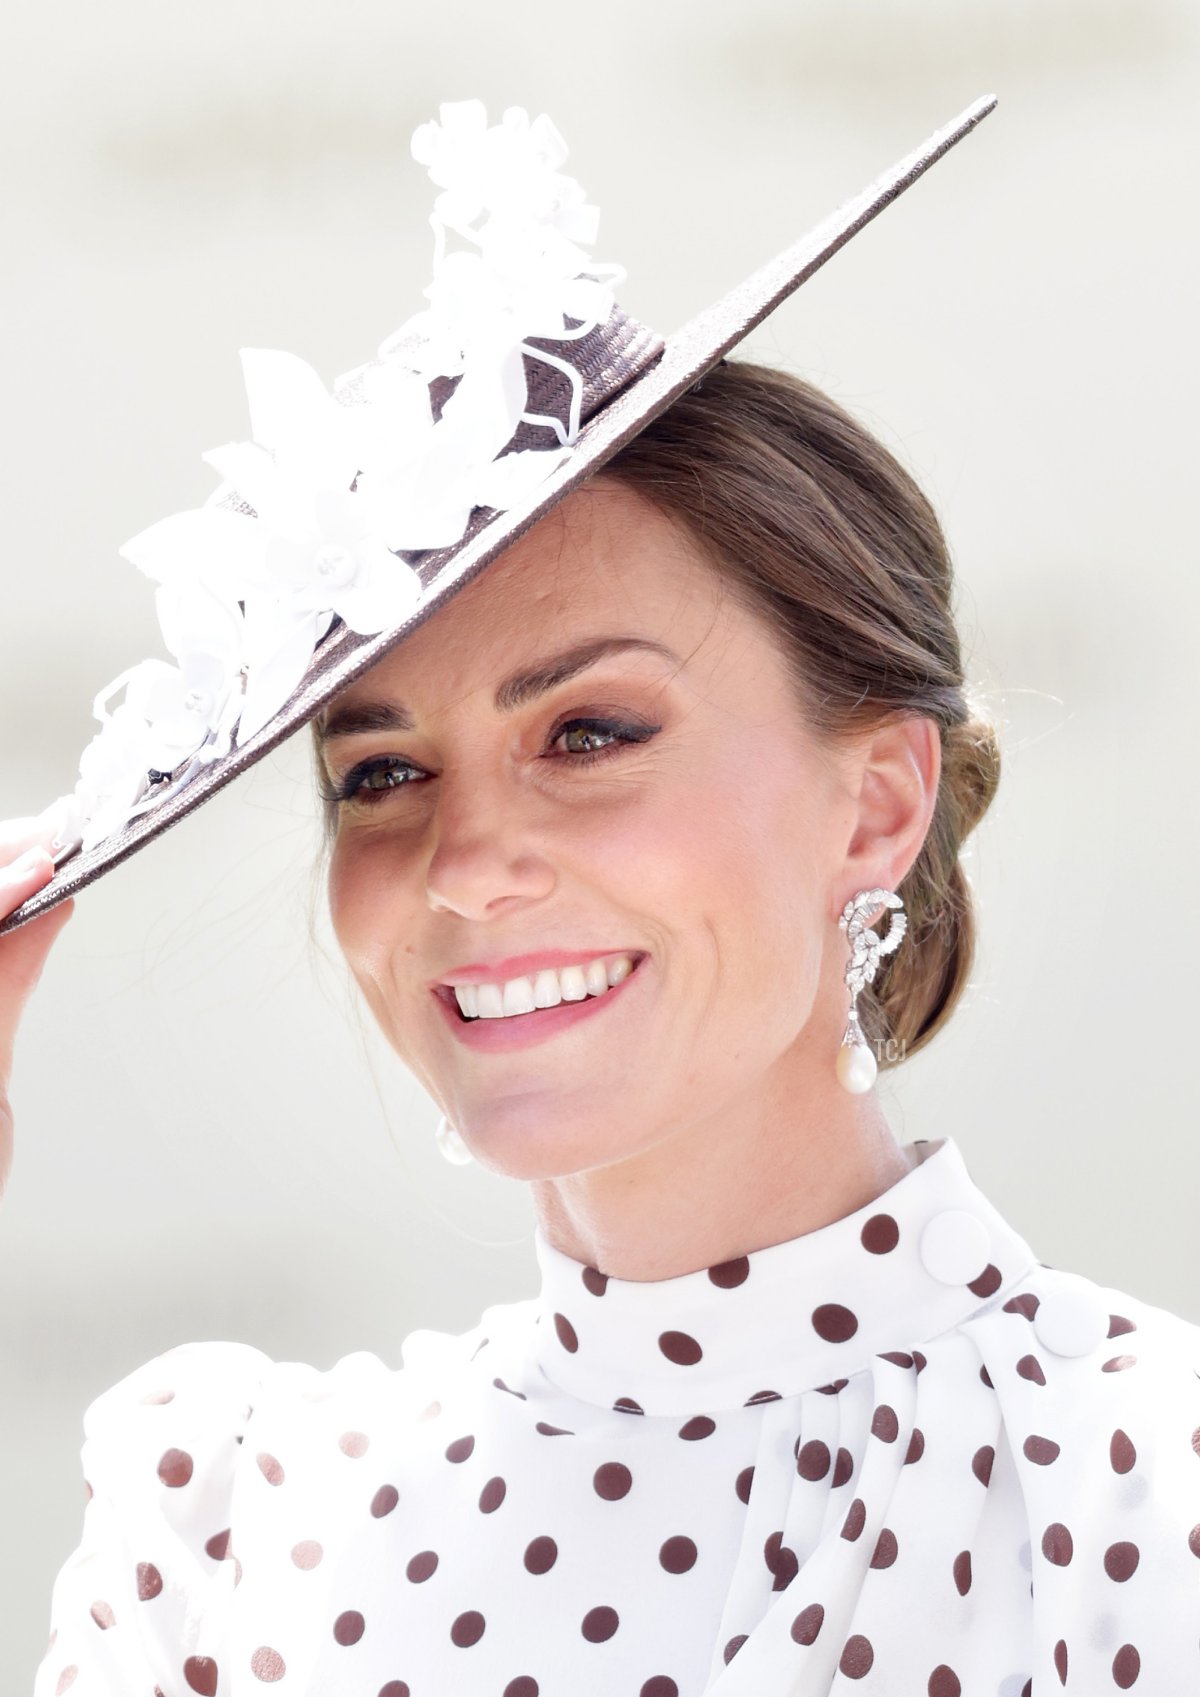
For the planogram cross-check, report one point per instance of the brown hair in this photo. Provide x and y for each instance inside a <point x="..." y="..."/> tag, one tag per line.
<point x="819" y="530"/>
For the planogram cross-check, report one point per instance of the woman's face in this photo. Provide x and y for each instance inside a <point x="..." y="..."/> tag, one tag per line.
<point x="591" y="755"/>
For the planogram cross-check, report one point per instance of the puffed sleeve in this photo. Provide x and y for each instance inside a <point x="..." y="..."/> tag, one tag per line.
<point x="144" y="1597"/>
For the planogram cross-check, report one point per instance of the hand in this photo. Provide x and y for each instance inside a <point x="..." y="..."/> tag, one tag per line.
<point x="25" y="865"/>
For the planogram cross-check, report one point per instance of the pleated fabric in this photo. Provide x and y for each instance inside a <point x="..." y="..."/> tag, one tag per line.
<point x="896" y="1455"/>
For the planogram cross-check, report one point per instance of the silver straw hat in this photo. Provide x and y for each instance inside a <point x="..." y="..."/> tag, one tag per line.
<point x="258" y="655"/>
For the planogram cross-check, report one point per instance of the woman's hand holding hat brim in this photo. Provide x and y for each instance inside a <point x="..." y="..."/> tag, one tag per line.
<point x="25" y="866"/>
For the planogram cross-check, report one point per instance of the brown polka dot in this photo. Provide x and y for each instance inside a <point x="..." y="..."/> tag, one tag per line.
<point x="422" y="1566"/>
<point x="744" y="1481"/>
<point x="1119" y="1364"/>
<point x="981" y="1463"/>
<point x="834" y="1323"/>
<point x="856" y="1519"/>
<point x="626" y="1405"/>
<point x="1118" y="1325"/>
<point x="727" y="1275"/>
<point x="880" y="1235"/>
<point x="354" y="1444"/>
<point x="599" y="1624"/>
<point x="159" y="1399"/>
<point x="988" y="1282"/>
<point x="1121" y="1452"/>
<point x="781" y="1561"/>
<point x="66" y="1679"/>
<point x="761" y="1396"/>
<point x="270" y="1469"/>
<point x="595" y="1280"/>
<point x="986" y="1378"/>
<point x="399" y="1688"/>
<point x="523" y="1686"/>
<point x="1121" y="1561"/>
<point x="808" y="1624"/>
<point x="460" y="1449"/>
<point x="201" y="1674"/>
<point x="492" y="1495"/>
<point x="678" y="1555"/>
<point x="678" y="1347"/>
<point x="307" y="1554"/>
<point x="885" y="1549"/>
<point x="1060" y="1660"/>
<point x="1029" y="1367"/>
<point x="857" y="1657"/>
<point x="1194" y="1541"/>
<point x="700" y="1426"/>
<point x="919" y="1361"/>
<point x="661" y="1685"/>
<point x="1196" y="1440"/>
<point x="349" y="1627"/>
<point x="916" y="1446"/>
<point x="898" y="1357"/>
<point x="103" y="1616"/>
<point x="384" y="1501"/>
<point x="567" y="1335"/>
<point x="1057" y="1544"/>
<point x="843" y="1467"/>
<point x="541" y="1555"/>
<point x="468" y="1629"/>
<point x="1041" y="1450"/>
<point x="884" y="1424"/>
<point x="1127" y="1664"/>
<point x="734" y="1645"/>
<point x="612" y="1481"/>
<point x="218" y="1545"/>
<point x="501" y="1386"/>
<point x="962" y="1572"/>
<point x="834" y="1388"/>
<point x="267" y="1664"/>
<point x="944" y="1682"/>
<point x="814" y="1460"/>
<point x="175" y="1468"/>
<point x="149" y="1581"/>
<point x="1027" y="1304"/>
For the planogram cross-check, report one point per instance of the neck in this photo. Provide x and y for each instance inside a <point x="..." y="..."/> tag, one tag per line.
<point x="757" y="1172"/>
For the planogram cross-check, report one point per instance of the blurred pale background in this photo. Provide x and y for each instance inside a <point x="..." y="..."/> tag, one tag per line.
<point x="210" y="1145"/>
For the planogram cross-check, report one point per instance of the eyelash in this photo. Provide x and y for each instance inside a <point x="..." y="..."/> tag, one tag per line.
<point x="350" y="789"/>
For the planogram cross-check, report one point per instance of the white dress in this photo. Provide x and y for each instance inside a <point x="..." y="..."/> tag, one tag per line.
<point x="895" y="1455"/>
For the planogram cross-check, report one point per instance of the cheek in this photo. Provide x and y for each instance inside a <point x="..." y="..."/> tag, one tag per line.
<point x="369" y="906"/>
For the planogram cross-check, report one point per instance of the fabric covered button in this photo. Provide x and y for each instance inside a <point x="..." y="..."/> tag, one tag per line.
<point x="1071" y="1321"/>
<point x="954" y="1247"/>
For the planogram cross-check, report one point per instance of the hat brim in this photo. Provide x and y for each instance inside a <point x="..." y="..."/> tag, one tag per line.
<point x="685" y="358"/>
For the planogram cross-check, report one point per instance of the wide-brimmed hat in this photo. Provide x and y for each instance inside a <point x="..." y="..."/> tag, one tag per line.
<point x="355" y="513"/>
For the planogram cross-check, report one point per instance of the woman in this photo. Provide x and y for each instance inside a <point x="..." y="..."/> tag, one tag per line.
<point x="795" y="1409"/>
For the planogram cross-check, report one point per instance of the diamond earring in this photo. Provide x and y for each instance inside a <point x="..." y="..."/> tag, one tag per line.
<point x="856" y="1068"/>
<point x="449" y="1141"/>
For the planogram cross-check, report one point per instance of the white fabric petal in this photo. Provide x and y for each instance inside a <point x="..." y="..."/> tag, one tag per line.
<point x="207" y="542"/>
<point x="279" y="646"/>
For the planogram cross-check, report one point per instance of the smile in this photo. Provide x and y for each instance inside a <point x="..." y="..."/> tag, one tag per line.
<point x="526" y="1010"/>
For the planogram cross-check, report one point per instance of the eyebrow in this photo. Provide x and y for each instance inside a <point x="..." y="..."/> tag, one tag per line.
<point x="516" y="691"/>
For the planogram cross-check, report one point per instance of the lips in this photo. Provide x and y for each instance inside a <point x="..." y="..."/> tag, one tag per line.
<point x="519" y="1031"/>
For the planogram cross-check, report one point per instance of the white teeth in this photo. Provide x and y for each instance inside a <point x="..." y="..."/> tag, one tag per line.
<point x="545" y="989"/>
<point x="518" y="996"/>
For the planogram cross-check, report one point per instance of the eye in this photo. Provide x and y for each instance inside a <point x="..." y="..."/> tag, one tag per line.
<point x="367" y="783"/>
<point x="597" y="739"/>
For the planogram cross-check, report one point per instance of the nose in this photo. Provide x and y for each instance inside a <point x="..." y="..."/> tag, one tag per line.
<point x="485" y="858"/>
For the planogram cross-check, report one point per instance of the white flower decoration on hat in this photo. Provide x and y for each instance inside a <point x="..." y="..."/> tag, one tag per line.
<point x="316" y="509"/>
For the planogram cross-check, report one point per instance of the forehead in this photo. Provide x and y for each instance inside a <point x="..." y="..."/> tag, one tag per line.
<point x="604" y="561"/>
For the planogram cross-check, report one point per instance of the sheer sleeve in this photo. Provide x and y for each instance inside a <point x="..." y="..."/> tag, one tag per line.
<point x="141" y="1603"/>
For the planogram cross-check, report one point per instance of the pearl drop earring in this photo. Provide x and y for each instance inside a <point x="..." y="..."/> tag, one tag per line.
<point x="856" y="1068"/>
<point x="449" y="1141"/>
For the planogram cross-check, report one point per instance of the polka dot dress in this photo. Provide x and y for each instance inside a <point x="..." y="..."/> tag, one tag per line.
<point x="896" y="1455"/>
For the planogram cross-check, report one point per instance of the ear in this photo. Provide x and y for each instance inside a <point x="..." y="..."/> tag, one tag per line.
<point x="899" y="765"/>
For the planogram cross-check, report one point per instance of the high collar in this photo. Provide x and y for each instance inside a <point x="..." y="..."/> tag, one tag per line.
<point x="916" y="1260"/>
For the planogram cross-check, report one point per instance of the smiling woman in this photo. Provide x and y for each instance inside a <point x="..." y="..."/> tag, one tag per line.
<point x="794" y="1406"/>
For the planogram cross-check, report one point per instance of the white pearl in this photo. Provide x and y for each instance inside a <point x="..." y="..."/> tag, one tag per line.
<point x="449" y="1141"/>
<point x="856" y="1068"/>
